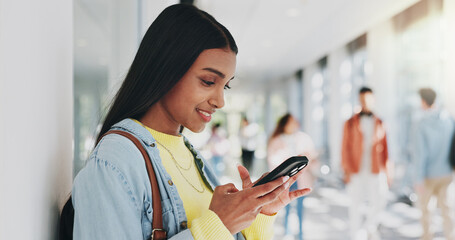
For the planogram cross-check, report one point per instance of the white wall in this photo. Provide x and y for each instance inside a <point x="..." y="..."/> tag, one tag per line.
<point x="35" y="115"/>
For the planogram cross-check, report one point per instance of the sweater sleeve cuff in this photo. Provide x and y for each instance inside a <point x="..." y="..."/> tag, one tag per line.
<point x="261" y="228"/>
<point x="209" y="226"/>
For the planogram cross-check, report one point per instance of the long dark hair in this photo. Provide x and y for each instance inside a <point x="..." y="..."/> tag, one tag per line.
<point x="169" y="48"/>
<point x="281" y="125"/>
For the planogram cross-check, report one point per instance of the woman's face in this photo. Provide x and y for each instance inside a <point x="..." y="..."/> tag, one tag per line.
<point x="291" y="126"/>
<point x="193" y="100"/>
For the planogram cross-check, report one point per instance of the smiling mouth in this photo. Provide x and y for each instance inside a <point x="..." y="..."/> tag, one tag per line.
<point x="205" y="115"/>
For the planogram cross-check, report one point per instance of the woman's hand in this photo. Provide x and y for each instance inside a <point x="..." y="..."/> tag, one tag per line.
<point x="282" y="200"/>
<point x="238" y="209"/>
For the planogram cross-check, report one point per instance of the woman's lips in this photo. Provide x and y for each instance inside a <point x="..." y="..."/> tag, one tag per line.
<point x="206" y="116"/>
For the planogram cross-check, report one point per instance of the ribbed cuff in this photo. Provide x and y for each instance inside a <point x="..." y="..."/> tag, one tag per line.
<point x="261" y="228"/>
<point x="209" y="226"/>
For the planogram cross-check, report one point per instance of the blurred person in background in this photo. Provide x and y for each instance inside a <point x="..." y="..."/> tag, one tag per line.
<point x="248" y="141"/>
<point x="364" y="161"/>
<point x="219" y="146"/>
<point x="287" y="141"/>
<point x="432" y="139"/>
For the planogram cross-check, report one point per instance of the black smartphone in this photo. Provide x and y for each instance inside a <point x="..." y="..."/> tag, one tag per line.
<point x="290" y="167"/>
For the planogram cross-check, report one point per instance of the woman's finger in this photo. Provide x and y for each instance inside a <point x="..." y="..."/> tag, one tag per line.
<point x="299" y="193"/>
<point x="267" y="188"/>
<point x="245" y="176"/>
<point x="227" y="188"/>
<point x="272" y="196"/>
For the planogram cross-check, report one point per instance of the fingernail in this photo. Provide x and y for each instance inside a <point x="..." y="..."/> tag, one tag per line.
<point x="285" y="178"/>
<point x="286" y="185"/>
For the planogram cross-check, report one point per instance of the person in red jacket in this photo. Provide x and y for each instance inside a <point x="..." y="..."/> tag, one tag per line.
<point x="364" y="162"/>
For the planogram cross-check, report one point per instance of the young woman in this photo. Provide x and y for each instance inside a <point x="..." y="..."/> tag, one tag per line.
<point x="177" y="79"/>
<point x="287" y="141"/>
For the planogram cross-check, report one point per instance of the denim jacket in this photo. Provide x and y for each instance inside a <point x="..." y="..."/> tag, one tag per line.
<point x="112" y="194"/>
<point x="431" y="144"/>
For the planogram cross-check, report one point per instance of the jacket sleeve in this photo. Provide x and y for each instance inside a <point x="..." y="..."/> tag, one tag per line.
<point x="346" y="149"/>
<point x="105" y="204"/>
<point x="261" y="228"/>
<point x="386" y="163"/>
<point x="385" y="152"/>
<point x="385" y="149"/>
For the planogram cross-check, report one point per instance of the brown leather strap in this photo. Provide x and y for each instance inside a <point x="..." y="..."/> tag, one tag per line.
<point x="158" y="231"/>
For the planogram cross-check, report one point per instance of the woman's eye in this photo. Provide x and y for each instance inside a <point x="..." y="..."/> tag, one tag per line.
<point x="208" y="83"/>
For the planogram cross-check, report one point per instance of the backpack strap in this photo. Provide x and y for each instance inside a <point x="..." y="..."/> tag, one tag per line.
<point x="158" y="231"/>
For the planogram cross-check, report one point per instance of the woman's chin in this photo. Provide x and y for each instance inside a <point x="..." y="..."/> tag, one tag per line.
<point x="196" y="129"/>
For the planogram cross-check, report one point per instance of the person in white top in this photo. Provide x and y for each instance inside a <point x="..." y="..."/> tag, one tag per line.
<point x="287" y="141"/>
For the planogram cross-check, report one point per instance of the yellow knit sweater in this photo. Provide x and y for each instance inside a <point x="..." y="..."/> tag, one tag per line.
<point x="202" y="222"/>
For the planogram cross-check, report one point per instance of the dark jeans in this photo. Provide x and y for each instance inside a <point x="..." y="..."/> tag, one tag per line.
<point x="247" y="159"/>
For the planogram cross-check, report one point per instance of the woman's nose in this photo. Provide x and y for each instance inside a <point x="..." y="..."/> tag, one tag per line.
<point x="217" y="100"/>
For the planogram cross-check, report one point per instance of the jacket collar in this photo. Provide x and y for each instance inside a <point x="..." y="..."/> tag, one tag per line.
<point x="140" y="132"/>
<point x="144" y="135"/>
<point x="358" y="115"/>
<point x="356" y="119"/>
<point x="135" y="128"/>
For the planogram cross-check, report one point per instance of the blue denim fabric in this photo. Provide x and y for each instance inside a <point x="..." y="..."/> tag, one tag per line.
<point x="432" y="139"/>
<point x="299" y="202"/>
<point x="112" y="194"/>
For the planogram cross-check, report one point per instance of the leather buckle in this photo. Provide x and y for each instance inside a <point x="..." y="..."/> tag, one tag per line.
<point x="153" y="234"/>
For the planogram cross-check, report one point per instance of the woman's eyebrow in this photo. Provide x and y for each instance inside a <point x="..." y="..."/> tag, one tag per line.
<point x="220" y="74"/>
